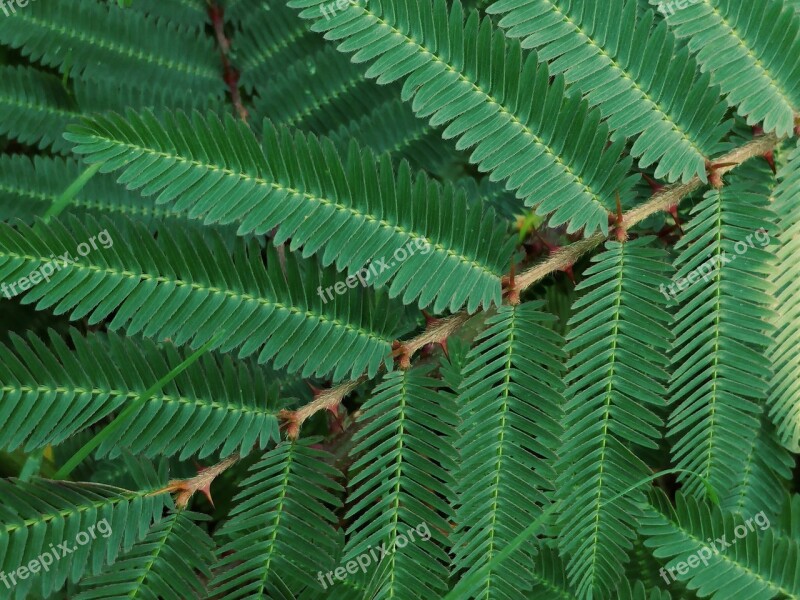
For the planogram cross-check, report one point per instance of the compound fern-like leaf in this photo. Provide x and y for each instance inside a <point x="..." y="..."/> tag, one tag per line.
<point x="401" y="487"/>
<point x="50" y="392"/>
<point x="752" y="51"/>
<point x="303" y="187"/>
<point x="615" y="386"/>
<point x="168" y="564"/>
<point x="767" y="469"/>
<point x="186" y="289"/>
<point x="35" y="108"/>
<point x="721" y="555"/>
<point x="281" y="527"/>
<point x="79" y="526"/>
<point x="784" y="398"/>
<point x="297" y="97"/>
<point x="93" y="40"/>
<point x="645" y="85"/>
<point x="466" y="75"/>
<point x="28" y="187"/>
<point x="720" y="374"/>
<point x="511" y="407"/>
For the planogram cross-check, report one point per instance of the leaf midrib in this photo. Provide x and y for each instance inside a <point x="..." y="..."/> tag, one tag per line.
<point x="319" y="199"/>
<point x="169" y="398"/>
<point x="732" y="32"/>
<point x="96" y="41"/>
<point x="607" y="414"/>
<point x="125" y="496"/>
<point x="626" y="75"/>
<point x="160" y="279"/>
<point x="501" y="108"/>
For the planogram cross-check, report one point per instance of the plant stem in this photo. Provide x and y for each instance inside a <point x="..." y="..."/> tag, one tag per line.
<point x="60" y="203"/>
<point x="661" y="201"/>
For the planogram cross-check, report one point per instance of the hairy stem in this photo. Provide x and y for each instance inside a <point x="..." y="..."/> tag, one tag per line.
<point x="565" y="257"/>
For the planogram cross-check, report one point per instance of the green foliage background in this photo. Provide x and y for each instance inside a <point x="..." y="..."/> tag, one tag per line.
<point x="577" y="367"/>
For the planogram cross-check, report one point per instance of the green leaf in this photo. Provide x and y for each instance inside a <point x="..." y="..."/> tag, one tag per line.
<point x="784" y="398"/>
<point x="90" y="40"/>
<point x="615" y="388"/>
<point x="91" y="521"/>
<point x="186" y="289"/>
<point x="35" y="108"/>
<point x="511" y="407"/>
<point x="167" y="564"/>
<point x="731" y="557"/>
<point x="401" y="483"/>
<point x="302" y="186"/>
<point x="620" y="63"/>
<point x="282" y="527"/>
<point x="298" y="97"/>
<point x="720" y="374"/>
<point x="735" y="41"/>
<point x="549" y="148"/>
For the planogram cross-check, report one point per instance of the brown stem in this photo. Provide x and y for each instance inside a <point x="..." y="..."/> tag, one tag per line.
<point x="558" y="261"/>
<point x="184" y="489"/>
<point x="325" y="399"/>
<point x="231" y="76"/>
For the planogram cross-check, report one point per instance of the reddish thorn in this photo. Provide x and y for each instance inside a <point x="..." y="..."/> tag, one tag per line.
<point x="714" y="177"/>
<point x="549" y="245"/>
<point x="314" y="390"/>
<point x="216" y="13"/>
<point x="654" y="185"/>
<point x="770" y="158"/>
<point x="430" y="320"/>
<point x="508" y="285"/>
<point x="335" y="420"/>
<point x="552" y="249"/>
<point x="206" y="489"/>
<point x="673" y="210"/>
